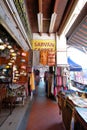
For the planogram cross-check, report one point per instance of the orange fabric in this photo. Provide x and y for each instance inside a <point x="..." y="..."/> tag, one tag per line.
<point x="51" y="58"/>
<point x="32" y="83"/>
<point x="43" y="57"/>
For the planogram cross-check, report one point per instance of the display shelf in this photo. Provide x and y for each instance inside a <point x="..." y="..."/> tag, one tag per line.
<point x="72" y="108"/>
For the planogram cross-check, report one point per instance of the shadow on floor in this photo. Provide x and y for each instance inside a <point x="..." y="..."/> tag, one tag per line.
<point x="56" y="126"/>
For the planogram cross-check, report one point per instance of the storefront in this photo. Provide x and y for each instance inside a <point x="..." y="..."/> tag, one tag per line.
<point x="32" y="37"/>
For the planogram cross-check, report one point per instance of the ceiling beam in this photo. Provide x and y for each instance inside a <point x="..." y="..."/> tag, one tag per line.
<point x="40" y="5"/>
<point x="68" y="11"/>
<point x="56" y="6"/>
<point x="53" y="17"/>
<point x="40" y="17"/>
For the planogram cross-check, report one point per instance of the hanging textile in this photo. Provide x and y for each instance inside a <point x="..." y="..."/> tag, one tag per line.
<point x="43" y="57"/>
<point x="36" y="58"/>
<point x="58" y="71"/>
<point x="59" y="80"/>
<point x="32" y="81"/>
<point x="55" y="85"/>
<point x="49" y="84"/>
<point x="51" y="58"/>
<point x="64" y="81"/>
<point x="52" y="86"/>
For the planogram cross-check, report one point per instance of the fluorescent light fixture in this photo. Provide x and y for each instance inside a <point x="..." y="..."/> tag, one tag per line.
<point x="40" y="21"/>
<point x="52" y="23"/>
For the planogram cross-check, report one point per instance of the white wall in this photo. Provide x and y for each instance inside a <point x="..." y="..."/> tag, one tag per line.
<point x="44" y="36"/>
<point x="61" y="50"/>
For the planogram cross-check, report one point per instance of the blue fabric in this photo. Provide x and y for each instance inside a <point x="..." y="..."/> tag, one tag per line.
<point x="74" y="66"/>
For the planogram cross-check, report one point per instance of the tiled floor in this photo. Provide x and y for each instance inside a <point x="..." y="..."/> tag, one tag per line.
<point x="44" y="113"/>
<point x="40" y="113"/>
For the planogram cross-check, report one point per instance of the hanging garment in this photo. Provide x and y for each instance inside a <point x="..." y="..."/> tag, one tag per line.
<point x="51" y="58"/>
<point x="32" y="81"/>
<point x="58" y="71"/>
<point x="52" y="85"/>
<point x="59" y="80"/>
<point x="43" y="57"/>
<point x="64" y="81"/>
<point x="55" y="91"/>
<point x="49" y="84"/>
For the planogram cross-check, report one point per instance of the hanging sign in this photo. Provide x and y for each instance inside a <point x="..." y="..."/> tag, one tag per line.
<point x="43" y="44"/>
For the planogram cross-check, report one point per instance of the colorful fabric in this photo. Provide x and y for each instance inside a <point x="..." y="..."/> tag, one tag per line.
<point x="51" y="58"/>
<point x="32" y="81"/>
<point x="52" y="85"/>
<point x="43" y="57"/>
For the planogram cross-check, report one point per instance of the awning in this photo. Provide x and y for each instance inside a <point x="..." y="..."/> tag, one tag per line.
<point x="74" y="66"/>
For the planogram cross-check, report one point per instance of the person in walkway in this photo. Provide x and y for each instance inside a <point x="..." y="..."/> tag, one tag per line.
<point x="44" y="113"/>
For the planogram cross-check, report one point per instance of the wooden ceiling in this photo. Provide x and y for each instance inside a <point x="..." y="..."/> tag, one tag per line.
<point x="51" y="16"/>
<point x="58" y="9"/>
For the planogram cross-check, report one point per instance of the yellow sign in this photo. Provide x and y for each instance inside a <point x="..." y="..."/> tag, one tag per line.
<point x="43" y="44"/>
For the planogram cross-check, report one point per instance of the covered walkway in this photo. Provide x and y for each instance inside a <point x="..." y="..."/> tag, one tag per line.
<point x="44" y="113"/>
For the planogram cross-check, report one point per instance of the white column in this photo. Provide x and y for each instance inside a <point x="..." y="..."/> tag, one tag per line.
<point x="61" y="51"/>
